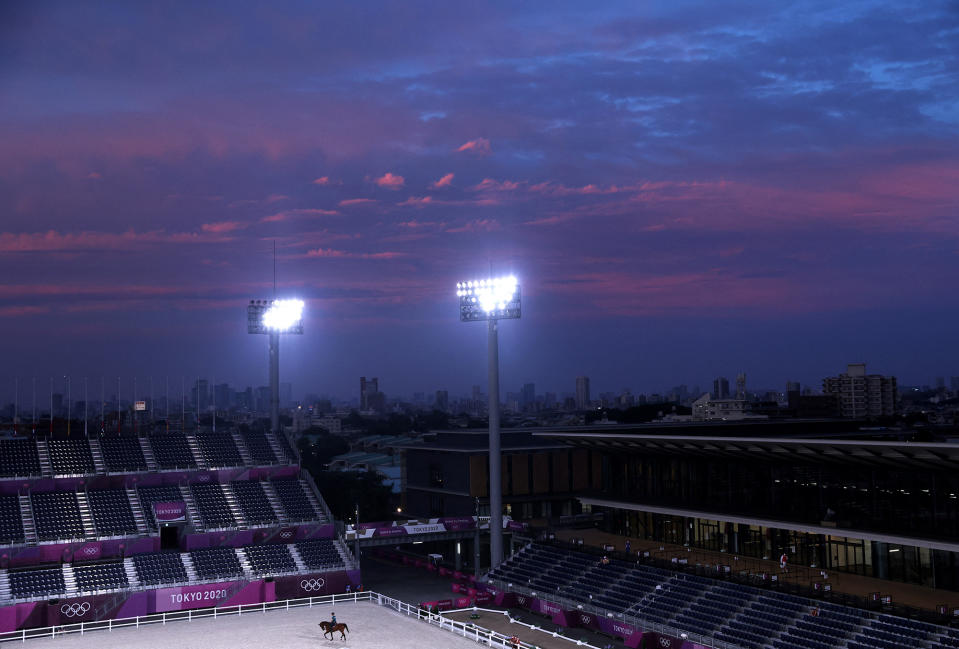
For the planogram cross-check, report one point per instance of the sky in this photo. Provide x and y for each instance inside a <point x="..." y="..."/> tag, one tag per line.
<point x="684" y="190"/>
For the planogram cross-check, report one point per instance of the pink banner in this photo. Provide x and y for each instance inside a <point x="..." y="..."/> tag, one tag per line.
<point x="170" y="512"/>
<point x="185" y="597"/>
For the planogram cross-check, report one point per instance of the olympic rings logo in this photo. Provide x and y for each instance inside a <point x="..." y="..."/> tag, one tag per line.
<point x="312" y="584"/>
<point x="75" y="610"/>
<point x="586" y="619"/>
<point x="91" y="550"/>
<point x="286" y="534"/>
<point x="665" y="642"/>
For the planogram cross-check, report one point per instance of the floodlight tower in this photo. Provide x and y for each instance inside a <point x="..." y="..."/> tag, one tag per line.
<point x="275" y="317"/>
<point x="492" y="300"/>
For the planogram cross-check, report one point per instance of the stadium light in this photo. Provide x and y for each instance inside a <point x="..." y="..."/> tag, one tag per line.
<point x="274" y="317"/>
<point x="492" y="299"/>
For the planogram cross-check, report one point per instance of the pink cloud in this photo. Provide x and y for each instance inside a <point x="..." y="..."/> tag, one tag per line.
<point x="479" y="146"/>
<point x="93" y="175"/>
<point x="297" y="213"/>
<point x="54" y="241"/>
<point x="489" y="184"/>
<point x="344" y="254"/>
<point x="414" y="224"/>
<point x="390" y="181"/>
<point x="276" y="198"/>
<point x="322" y="180"/>
<point x="18" y="311"/>
<point x="356" y="201"/>
<point x="220" y="227"/>
<point x="417" y="201"/>
<point x="479" y="225"/>
<point x="445" y="181"/>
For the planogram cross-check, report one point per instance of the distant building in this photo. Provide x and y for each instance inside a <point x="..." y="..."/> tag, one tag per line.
<point x="582" y="392"/>
<point x="861" y="394"/>
<point x="954" y="383"/>
<point x="286" y="395"/>
<point x="527" y="400"/>
<point x="721" y="388"/>
<point x="442" y="400"/>
<point x="367" y="391"/>
<point x="705" y="408"/>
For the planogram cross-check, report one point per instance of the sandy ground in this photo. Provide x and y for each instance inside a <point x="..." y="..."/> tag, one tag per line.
<point x="371" y="627"/>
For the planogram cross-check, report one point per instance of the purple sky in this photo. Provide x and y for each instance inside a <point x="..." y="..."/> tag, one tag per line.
<point x="685" y="190"/>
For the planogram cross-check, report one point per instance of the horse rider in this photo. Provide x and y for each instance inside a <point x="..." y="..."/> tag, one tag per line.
<point x="333" y="619"/>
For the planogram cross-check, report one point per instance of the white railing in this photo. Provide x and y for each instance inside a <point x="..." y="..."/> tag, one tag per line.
<point x="464" y="629"/>
<point x="531" y="627"/>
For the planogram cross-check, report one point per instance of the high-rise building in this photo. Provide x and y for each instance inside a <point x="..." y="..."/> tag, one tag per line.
<point x="527" y="399"/>
<point x="741" y="385"/>
<point x="442" y="400"/>
<point x="954" y="383"/>
<point x="367" y="391"/>
<point x="286" y="395"/>
<point x="200" y="394"/>
<point x="582" y="392"/>
<point x="861" y="394"/>
<point x="721" y="388"/>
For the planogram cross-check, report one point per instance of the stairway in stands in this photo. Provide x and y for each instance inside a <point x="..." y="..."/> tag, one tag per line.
<point x="275" y="502"/>
<point x="69" y="580"/>
<point x="191" y="509"/>
<point x="26" y="516"/>
<point x="277" y="449"/>
<point x="137" y="507"/>
<point x="130" y="568"/>
<point x="241" y="447"/>
<point x="148" y="453"/>
<point x="98" y="464"/>
<point x="89" y="528"/>
<point x="244" y="563"/>
<point x="230" y="496"/>
<point x="197" y="453"/>
<point x="43" y="452"/>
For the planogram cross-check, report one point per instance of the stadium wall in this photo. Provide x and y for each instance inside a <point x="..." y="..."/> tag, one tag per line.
<point x="55" y="612"/>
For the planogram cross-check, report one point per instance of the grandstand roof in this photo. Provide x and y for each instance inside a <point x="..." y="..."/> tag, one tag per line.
<point x="919" y="455"/>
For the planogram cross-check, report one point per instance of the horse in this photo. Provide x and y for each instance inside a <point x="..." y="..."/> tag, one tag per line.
<point x="331" y="628"/>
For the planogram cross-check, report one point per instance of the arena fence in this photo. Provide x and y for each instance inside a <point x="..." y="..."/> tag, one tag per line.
<point x="464" y="629"/>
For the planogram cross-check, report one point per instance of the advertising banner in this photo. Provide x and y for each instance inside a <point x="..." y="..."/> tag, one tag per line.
<point x="88" y="551"/>
<point x="170" y="512"/>
<point x="187" y="597"/>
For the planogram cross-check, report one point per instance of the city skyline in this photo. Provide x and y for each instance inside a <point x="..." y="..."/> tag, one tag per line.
<point x="682" y="190"/>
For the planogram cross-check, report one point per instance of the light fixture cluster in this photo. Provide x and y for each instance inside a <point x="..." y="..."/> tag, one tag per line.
<point x="283" y="314"/>
<point x="491" y="298"/>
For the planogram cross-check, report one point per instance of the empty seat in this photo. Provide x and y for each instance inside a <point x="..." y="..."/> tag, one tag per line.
<point x="160" y="568"/>
<point x="216" y="563"/>
<point x="212" y="506"/>
<point x="295" y="502"/>
<point x="19" y="458"/>
<point x="319" y="554"/>
<point x="122" y="454"/>
<point x="260" y="450"/>
<point x="70" y="456"/>
<point x="253" y="502"/>
<point x="57" y="516"/>
<point x="11" y="524"/>
<point x="30" y="584"/>
<point x="218" y="449"/>
<point x="112" y="514"/>
<point x="172" y="451"/>
<point x="100" y="577"/>
<point x="270" y="559"/>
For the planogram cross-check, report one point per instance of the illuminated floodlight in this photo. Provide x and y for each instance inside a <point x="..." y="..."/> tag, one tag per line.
<point x="275" y="316"/>
<point x="489" y="299"/>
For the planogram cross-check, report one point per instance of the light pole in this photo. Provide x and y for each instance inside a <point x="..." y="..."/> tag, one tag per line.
<point x="492" y="300"/>
<point x="275" y="317"/>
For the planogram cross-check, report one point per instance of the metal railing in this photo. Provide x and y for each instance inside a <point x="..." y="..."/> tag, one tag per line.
<point x="464" y="629"/>
<point x="531" y="627"/>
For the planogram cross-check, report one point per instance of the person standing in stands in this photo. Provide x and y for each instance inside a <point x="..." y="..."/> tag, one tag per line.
<point x="627" y="546"/>
<point x="784" y="562"/>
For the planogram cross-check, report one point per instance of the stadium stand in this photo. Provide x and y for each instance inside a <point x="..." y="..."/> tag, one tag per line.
<point x="70" y="457"/>
<point x="19" y="458"/>
<point x="253" y="502"/>
<point x="260" y="450"/>
<point x="122" y="454"/>
<point x="158" y="494"/>
<point x="32" y="584"/>
<point x="160" y="568"/>
<point x="285" y="446"/>
<point x="99" y="577"/>
<point x="112" y="514"/>
<point x="11" y="525"/>
<point x="296" y="504"/>
<point x="218" y="450"/>
<point x="172" y="451"/>
<point x="320" y="554"/>
<point x="57" y="516"/>
<point x="270" y="559"/>
<point x="212" y="506"/>
<point x="216" y="563"/>
<point x="734" y="613"/>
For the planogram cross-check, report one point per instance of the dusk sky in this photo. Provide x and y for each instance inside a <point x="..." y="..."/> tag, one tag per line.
<point x="684" y="190"/>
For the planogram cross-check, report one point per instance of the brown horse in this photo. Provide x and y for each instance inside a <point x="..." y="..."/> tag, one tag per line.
<point x="331" y="628"/>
